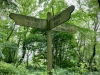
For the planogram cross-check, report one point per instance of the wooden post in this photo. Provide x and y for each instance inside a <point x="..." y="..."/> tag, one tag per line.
<point x="49" y="45"/>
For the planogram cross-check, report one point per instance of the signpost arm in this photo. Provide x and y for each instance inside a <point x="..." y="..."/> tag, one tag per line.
<point x="49" y="45"/>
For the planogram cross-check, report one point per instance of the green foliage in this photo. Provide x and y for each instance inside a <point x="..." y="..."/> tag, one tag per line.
<point x="27" y="7"/>
<point x="60" y="71"/>
<point x="1" y="55"/>
<point x="67" y="64"/>
<point x="69" y="51"/>
<point x="10" y="50"/>
<point x="8" y="69"/>
<point x="22" y="70"/>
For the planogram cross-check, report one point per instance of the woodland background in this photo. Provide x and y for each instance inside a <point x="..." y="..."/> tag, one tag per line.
<point x="23" y="49"/>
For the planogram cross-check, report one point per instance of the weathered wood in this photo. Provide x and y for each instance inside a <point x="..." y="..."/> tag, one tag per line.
<point x="66" y="28"/>
<point x="62" y="17"/>
<point x="29" y="21"/>
<point x="49" y="45"/>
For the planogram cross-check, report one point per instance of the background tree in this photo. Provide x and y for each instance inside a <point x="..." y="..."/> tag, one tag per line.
<point x="25" y="45"/>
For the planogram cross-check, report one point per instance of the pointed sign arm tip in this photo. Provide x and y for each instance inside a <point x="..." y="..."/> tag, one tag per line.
<point x="10" y="15"/>
<point x="73" y="8"/>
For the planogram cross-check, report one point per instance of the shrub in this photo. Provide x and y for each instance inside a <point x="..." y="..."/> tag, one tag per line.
<point x="67" y="63"/>
<point x="22" y="70"/>
<point x="10" y="51"/>
<point x="9" y="69"/>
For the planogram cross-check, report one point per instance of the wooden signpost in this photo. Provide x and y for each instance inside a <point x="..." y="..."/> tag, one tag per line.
<point x="28" y="21"/>
<point x="49" y="24"/>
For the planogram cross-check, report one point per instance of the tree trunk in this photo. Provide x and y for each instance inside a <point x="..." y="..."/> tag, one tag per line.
<point x="23" y="49"/>
<point x="27" y="58"/>
<point x="93" y="55"/>
<point x="10" y="33"/>
<point x="94" y="49"/>
<point x="23" y="55"/>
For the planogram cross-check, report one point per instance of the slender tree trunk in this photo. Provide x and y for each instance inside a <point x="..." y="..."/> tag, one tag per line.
<point x="60" y="54"/>
<point x="93" y="55"/>
<point x="23" y="49"/>
<point x="94" y="49"/>
<point x="23" y="55"/>
<point x="27" y="58"/>
<point x="56" y="53"/>
<point x="10" y="33"/>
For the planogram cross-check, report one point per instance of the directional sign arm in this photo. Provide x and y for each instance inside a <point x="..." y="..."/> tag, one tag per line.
<point x="66" y="28"/>
<point x="28" y="21"/>
<point x="62" y="17"/>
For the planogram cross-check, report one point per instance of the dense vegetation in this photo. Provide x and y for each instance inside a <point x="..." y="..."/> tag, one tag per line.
<point x="23" y="50"/>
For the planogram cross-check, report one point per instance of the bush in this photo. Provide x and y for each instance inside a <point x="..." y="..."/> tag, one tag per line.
<point x="10" y="51"/>
<point x="9" y="69"/>
<point x="60" y="71"/>
<point x="67" y="63"/>
<point x="22" y="70"/>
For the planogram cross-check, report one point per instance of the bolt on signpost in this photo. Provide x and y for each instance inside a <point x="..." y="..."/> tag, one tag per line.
<point x="49" y="24"/>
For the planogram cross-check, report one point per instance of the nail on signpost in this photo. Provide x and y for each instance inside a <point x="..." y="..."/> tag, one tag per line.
<point x="49" y="24"/>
